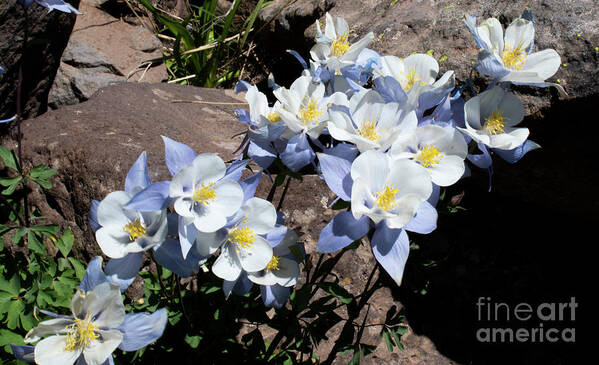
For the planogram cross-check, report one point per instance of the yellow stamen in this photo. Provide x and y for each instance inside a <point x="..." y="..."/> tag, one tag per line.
<point x="513" y="58"/>
<point x="80" y="334"/>
<point x="368" y="131"/>
<point x="204" y="194"/>
<point x="273" y="117"/>
<point x="135" y="229"/>
<point x="495" y="124"/>
<point x="386" y="199"/>
<point x="429" y="156"/>
<point x="309" y="112"/>
<point x="273" y="264"/>
<point x="340" y="46"/>
<point x="244" y="237"/>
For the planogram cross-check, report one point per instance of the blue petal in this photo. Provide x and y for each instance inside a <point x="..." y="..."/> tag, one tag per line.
<point x="242" y="86"/>
<point x="235" y="169"/>
<point x="124" y="270"/>
<point x="274" y="295"/>
<point x="276" y="235"/>
<point x="244" y="117"/>
<point x="434" y="198"/>
<point x="168" y="255"/>
<point x="24" y="353"/>
<point x="425" y="220"/>
<point x="94" y="275"/>
<point x="59" y="5"/>
<point x="8" y="120"/>
<point x="177" y="155"/>
<point x="249" y="186"/>
<point x="335" y="165"/>
<point x="391" y="248"/>
<point x="93" y="215"/>
<point x="482" y="160"/>
<point x="342" y="230"/>
<point x="470" y="22"/>
<point x="430" y="99"/>
<point x="154" y="197"/>
<point x="141" y="329"/>
<point x="262" y="152"/>
<point x="241" y="286"/>
<point x="298" y="152"/>
<point x="390" y="89"/>
<point x="490" y="66"/>
<point x="513" y="156"/>
<point x="299" y="58"/>
<point x="187" y="236"/>
<point x="138" y="175"/>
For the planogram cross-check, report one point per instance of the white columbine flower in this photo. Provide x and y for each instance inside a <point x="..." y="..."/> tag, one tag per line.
<point x="416" y="74"/>
<point x="514" y="52"/>
<point x="281" y="269"/>
<point x="201" y="194"/>
<point x="91" y="331"/>
<point x="243" y="244"/>
<point x="303" y="107"/>
<point x="124" y="231"/>
<point x="388" y="190"/>
<point x="266" y="120"/>
<point x="333" y="49"/>
<point x="491" y="117"/>
<point x="373" y="124"/>
<point x="441" y="150"/>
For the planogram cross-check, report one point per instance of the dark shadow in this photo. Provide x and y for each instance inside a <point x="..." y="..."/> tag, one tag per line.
<point x="527" y="241"/>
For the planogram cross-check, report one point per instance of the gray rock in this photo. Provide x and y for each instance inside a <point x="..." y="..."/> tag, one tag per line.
<point x="143" y="40"/>
<point x="81" y="55"/>
<point x="48" y="35"/>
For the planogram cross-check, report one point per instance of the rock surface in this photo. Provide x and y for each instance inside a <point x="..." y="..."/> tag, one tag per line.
<point x="48" y="36"/>
<point x="104" y="50"/>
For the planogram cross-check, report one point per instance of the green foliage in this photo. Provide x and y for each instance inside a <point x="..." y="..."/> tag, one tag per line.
<point x="203" y="52"/>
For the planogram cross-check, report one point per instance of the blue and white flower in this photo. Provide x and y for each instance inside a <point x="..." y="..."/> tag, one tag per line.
<point x="59" y="5"/>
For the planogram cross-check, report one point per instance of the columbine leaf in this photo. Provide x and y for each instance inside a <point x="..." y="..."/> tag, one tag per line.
<point x="14" y="311"/>
<point x="337" y="291"/>
<point x="34" y="244"/>
<point x="65" y="242"/>
<point x="9" y="158"/>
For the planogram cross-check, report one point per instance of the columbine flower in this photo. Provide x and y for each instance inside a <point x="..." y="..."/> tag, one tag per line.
<point x="59" y="5"/>
<point x="91" y="331"/>
<point x="510" y="58"/>
<point x="303" y="107"/>
<point x="417" y="74"/>
<point x="203" y="196"/>
<point x="491" y="117"/>
<point x="440" y="150"/>
<point x="126" y="231"/>
<point x="385" y="190"/>
<point x="243" y="245"/>
<point x="372" y="123"/>
<point x="334" y="49"/>
<point x="283" y="268"/>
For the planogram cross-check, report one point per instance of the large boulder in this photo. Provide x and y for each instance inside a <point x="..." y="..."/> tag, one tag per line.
<point x="48" y="34"/>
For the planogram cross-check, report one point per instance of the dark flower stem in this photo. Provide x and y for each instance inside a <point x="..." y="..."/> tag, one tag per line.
<point x="19" y="119"/>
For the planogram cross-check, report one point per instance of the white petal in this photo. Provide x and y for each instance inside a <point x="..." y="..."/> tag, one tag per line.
<point x="426" y="67"/>
<point x="390" y="66"/>
<point x="51" y="326"/>
<point x="105" y="305"/>
<point x="372" y="167"/>
<point x="227" y="265"/>
<point x="110" y="210"/>
<point x="99" y="351"/>
<point x="260" y="214"/>
<point x="512" y="108"/>
<point x="448" y="171"/>
<point x="360" y="194"/>
<point x="229" y="196"/>
<point x="472" y="113"/>
<point x="183" y="206"/>
<point x="51" y="351"/>
<point x="208" y="243"/>
<point x="408" y="204"/>
<point x="257" y="256"/>
<point x="257" y="102"/>
<point x="510" y="140"/>
<point x="491" y="32"/>
<point x="520" y="34"/>
<point x="207" y="168"/>
<point x="545" y="63"/>
<point x="210" y="220"/>
<point x="410" y="178"/>
<point x="113" y="244"/>
<point x="288" y="272"/>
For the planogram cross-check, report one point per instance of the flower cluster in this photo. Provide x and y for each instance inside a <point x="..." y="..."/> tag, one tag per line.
<point x="387" y="150"/>
<point x="213" y="213"/>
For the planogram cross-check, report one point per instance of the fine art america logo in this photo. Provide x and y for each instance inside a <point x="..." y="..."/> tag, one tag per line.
<point x="522" y="322"/>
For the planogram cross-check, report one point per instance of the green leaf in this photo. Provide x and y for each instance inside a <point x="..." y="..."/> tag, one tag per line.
<point x="341" y="204"/>
<point x="79" y="268"/>
<point x="19" y="233"/>
<point x="12" y="286"/>
<point x="301" y="297"/>
<point x="35" y="245"/>
<point x="8" y="181"/>
<point x="9" y="158"/>
<point x="14" y="311"/>
<point x="337" y="291"/>
<point x="27" y="321"/>
<point x="42" y="172"/>
<point x="193" y="341"/>
<point x="9" y="337"/>
<point x="387" y="337"/>
<point x="65" y="242"/>
<point x="47" y="230"/>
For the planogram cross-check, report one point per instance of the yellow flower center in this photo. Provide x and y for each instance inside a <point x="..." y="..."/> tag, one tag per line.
<point x="340" y="46"/>
<point x="135" y="229"/>
<point x="514" y="58"/>
<point x="273" y="264"/>
<point x="204" y="194"/>
<point x="368" y="131"/>
<point x="495" y="123"/>
<point x="273" y="117"/>
<point x="386" y="199"/>
<point x="309" y="112"/>
<point x="80" y="334"/>
<point x="244" y="237"/>
<point x="410" y="80"/>
<point x="429" y="156"/>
